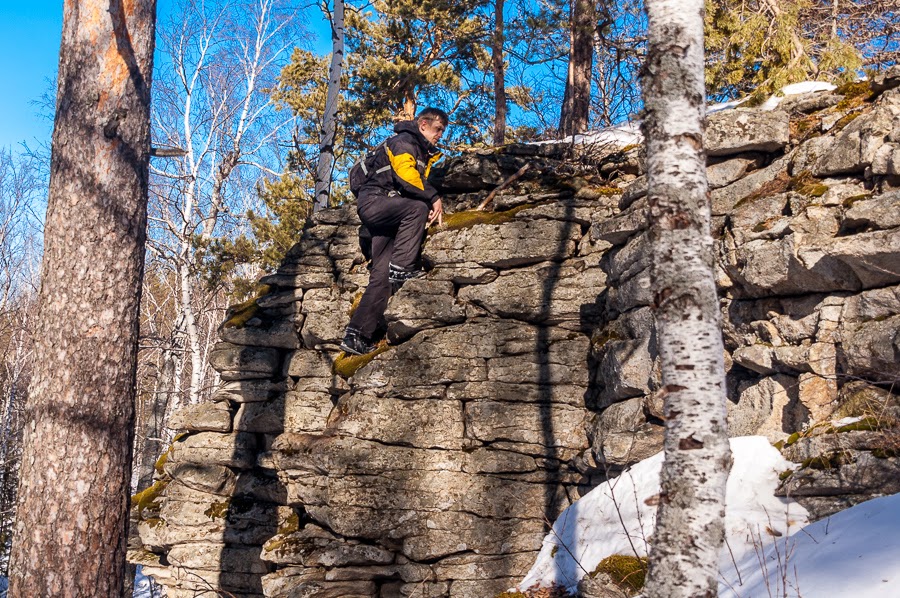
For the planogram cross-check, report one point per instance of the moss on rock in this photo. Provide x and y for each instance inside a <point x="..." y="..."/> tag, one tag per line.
<point x="806" y="184"/>
<point x="347" y="365"/>
<point x="628" y="572"/>
<point x="145" y="502"/>
<point x="290" y="525"/>
<point x="239" y="314"/>
<point x="470" y="218"/>
<point x="218" y="510"/>
<point x="829" y="460"/>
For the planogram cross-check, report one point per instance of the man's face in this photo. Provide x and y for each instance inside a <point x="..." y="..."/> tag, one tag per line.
<point x="432" y="130"/>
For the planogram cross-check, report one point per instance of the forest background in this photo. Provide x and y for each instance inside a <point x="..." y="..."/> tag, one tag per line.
<point x="238" y="101"/>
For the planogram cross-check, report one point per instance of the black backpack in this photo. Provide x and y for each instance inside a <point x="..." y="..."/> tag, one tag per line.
<point x="364" y="169"/>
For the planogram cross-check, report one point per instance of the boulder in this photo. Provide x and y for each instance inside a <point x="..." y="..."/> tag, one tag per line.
<point x="517" y="243"/>
<point x="556" y="426"/>
<point x="424" y="423"/>
<point x="547" y="293"/>
<point x="857" y="144"/>
<point x="205" y="417"/>
<point x="770" y="407"/>
<point x="422" y="304"/>
<point x="237" y="362"/>
<point x="236" y="450"/>
<point x="280" y="334"/>
<point x="730" y="132"/>
<point x="876" y="213"/>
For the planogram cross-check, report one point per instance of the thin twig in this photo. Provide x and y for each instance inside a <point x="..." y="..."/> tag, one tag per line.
<point x="502" y="186"/>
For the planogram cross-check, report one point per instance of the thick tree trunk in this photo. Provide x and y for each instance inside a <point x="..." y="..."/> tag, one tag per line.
<point x="577" y="97"/>
<point x="499" y="76"/>
<point x="689" y="530"/>
<point x="326" y="147"/>
<point x="76" y="469"/>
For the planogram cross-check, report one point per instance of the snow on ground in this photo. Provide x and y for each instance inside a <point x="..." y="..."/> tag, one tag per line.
<point x="144" y="586"/>
<point x="773" y="552"/>
<point x="853" y="554"/>
<point x="618" y="516"/>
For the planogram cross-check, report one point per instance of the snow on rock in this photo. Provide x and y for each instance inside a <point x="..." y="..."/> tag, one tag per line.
<point x="630" y="133"/>
<point x="806" y="87"/>
<point x="618" y="136"/>
<point x="618" y="516"/>
<point x="853" y="554"/>
<point x="795" y="89"/>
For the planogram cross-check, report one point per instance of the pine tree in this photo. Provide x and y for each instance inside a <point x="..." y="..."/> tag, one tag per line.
<point x="404" y="54"/>
<point x="499" y="73"/>
<point x="577" y="98"/>
<point x="73" y="500"/>
<point x="759" y="46"/>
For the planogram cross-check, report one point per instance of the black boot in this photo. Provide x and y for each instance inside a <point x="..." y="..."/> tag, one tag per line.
<point x="355" y="343"/>
<point x="398" y="276"/>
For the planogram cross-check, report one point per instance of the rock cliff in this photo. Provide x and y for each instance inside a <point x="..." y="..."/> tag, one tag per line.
<point x="522" y="370"/>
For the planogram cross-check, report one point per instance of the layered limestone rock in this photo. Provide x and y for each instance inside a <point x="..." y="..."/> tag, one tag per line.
<point x="522" y="369"/>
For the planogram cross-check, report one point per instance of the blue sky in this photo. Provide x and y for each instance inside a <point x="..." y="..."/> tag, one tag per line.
<point x="29" y="52"/>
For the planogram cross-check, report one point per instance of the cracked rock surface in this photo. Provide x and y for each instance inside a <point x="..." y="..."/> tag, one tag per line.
<point x="522" y="370"/>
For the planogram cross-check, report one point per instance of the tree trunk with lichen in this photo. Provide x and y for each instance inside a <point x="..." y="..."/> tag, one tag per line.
<point x="74" y="492"/>
<point x="689" y="530"/>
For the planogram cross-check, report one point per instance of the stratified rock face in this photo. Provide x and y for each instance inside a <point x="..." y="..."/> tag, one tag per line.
<point x="523" y="369"/>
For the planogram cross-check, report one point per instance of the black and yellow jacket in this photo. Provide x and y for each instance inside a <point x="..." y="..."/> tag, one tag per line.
<point x="404" y="165"/>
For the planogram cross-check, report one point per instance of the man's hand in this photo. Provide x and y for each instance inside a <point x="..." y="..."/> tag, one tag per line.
<point x="436" y="213"/>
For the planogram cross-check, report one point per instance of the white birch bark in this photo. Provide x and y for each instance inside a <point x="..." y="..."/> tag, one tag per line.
<point x="212" y="108"/>
<point x="326" y="147"/>
<point x="690" y="530"/>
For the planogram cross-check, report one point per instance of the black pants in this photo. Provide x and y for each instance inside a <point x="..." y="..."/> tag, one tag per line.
<point x="397" y="225"/>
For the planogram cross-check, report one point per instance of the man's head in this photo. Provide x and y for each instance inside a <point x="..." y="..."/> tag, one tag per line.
<point x="432" y="123"/>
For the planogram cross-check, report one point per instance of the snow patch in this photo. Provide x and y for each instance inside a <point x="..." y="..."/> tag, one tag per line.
<point x="618" y="136"/>
<point x="853" y="554"/>
<point x="618" y="516"/>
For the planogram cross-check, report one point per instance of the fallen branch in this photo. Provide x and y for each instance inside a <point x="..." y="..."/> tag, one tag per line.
<point x="501" y="187"/>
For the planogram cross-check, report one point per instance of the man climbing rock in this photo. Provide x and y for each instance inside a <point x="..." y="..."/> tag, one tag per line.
<point x="396" y="204"/>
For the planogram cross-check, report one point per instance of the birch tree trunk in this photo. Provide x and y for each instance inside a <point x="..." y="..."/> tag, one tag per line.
<point x="326" y="147"/>
<point x="76" y="468"/>
<point x="689" y="529"/>
<point x="577" y="96"/>
<point x="499" y="75"/>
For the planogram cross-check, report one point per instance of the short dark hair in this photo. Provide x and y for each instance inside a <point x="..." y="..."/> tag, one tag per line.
<point x="432" y="113"/>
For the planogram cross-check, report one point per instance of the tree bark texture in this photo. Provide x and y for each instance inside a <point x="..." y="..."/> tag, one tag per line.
<point x="690" y="530"/>
<point x="326" y="147"/>
<point x="577" y="96"/>
<point x="74" y="492"/>
<point x="499" y="75"/>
